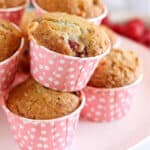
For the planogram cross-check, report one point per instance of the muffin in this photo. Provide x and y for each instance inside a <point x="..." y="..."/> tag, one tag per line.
<point x="83" y="8"/>
<point x="111" y="34"/>
<point x="117" y="69"/>
<point x="69" y="35"/>
<point x="10" y="39"/>
<point x="31" y="100"/>
<point x="11" y="3"/>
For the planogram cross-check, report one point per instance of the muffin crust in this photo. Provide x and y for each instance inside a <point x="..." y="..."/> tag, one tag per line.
<point x="11" y="3"/>
<point x="119" y="68"/>
<point x="83" y="8"/>
<point x="10" y="39"/>
<point x="111" y="34"/>
<point x="69" y="35"/>
<point x="32" y="100"/>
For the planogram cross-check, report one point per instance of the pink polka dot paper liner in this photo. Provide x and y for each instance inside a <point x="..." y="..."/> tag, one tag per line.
<point x="105" y="105"/>
<point x="55" y="134"/>
<point x="13" y="14"/>
<point x="61" y="72"/>
<point x="97" y="20"/>
<point x="8" y="68"/>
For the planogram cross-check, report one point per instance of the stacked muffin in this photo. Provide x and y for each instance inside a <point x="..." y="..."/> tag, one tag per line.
<point x="112" y="86"/>
<point x="64" y="50"/>
<point x="67" y="55"/>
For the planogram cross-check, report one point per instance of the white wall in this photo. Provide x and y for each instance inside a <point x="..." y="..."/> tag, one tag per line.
<point x="142" y="6"/>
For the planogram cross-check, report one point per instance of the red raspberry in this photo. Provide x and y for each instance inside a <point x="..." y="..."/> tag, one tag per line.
<point x="119" y="28"/>
<point x="146" y="38"/>
<point x="106" y="21"/>
<point x="74" y="45"/>
<point x="135" y="29"/>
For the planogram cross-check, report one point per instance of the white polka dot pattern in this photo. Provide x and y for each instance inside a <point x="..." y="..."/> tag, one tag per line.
<point x="56" y="134"/>
<point x="107" y="105"/>
<point x="43" y="135"/>
<point x="60" y="72"/>
<point x="13" y="15"/>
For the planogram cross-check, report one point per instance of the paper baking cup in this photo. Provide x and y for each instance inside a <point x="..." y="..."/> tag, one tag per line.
<point x="61" y="72"/>
<point x="13" y="14"/>
<point x="97" y="20"/>
<point x="117" y="42"/>
<point x="104" y="105"/>
<point x="8" y="68"/>
<point x="55" y="134"/>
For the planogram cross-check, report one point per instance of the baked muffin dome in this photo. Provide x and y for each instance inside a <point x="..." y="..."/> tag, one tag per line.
<point x="11" y="3"/>
<point x="10" y="39"/>
<point x="32" y="100"/>
<point x="69" y="35"/>
<point x="83" y="8"/>
<point x="111" y="34"/>
<point x="117" y="69"/>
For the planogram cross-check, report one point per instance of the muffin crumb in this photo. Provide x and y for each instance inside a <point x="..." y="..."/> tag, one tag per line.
<point x="83" y="8"/>
<point x="32" y="100"/>
<point x="117" y="69"/>
<point x="10" y="39"/>
<point x="69" y="35"/>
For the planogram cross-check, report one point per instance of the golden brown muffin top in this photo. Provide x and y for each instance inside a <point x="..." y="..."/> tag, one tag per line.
<point x="32" y="100"/>
<point x="69" y="35"/>
<point x="11" y="3"/>
<point x="10" y="39"/>
<point x="111" y="34"/>
<point x="117" y="69"/>
<point x="83" y="8"/>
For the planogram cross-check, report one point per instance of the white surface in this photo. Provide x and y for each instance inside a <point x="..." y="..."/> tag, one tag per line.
<point x="118" y="135"/>
<point x="143" y="145"/>
<point x="142" y="6"/>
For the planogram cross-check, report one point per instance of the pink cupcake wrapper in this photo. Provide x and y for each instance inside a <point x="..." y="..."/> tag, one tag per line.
<point x="13" y="14"/>
<point x="54" y="134"/>
<point x="97" y="20"/>
<point x="61" y="72"/>
<point x="104" y="105"/>
<point x="117" y="43"/>
<point x="8" y="68"/>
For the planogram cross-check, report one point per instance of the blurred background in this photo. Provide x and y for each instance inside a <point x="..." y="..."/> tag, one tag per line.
<point x="133" y="6"/>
